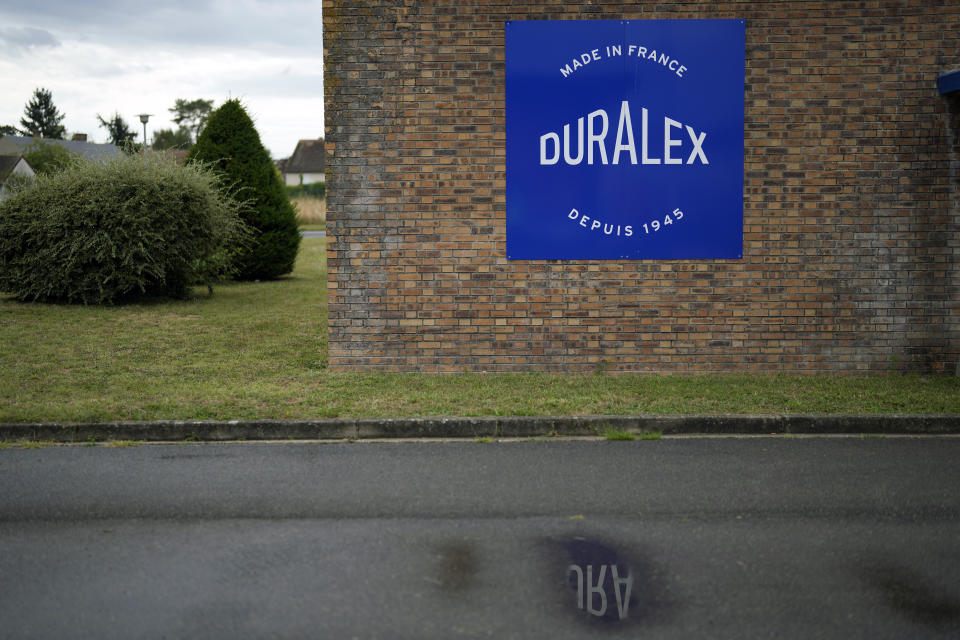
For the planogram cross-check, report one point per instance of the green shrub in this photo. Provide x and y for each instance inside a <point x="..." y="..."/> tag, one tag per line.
<point x="106" y="232"/>
<point x="49" y="157"/>
<point x="312" y="190"/>
<point x="18" y="182"/>
<point x="231" y="143"/>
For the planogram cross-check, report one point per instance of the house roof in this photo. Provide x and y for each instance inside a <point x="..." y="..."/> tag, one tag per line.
<point x="14" y="145"/>
<point x="308" y="157"/>
<point x="8" y="164"/>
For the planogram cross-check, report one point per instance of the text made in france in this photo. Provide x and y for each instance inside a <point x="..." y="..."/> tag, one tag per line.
<point x="613" y="51"/>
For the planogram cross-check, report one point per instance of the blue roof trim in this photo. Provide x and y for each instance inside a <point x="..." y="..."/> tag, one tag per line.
<point x="949" y="82"/>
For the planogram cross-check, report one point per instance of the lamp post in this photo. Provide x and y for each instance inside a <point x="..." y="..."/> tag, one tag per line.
<point x="143" y="118"/>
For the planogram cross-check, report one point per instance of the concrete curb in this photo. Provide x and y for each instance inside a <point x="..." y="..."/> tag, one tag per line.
<point x="480" y="427"/>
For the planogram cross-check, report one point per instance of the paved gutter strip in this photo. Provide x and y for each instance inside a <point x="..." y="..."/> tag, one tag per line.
<point x="478" y="427"/>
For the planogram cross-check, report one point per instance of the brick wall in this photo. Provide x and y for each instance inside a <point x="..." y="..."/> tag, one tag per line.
<point x="851" y="214"/>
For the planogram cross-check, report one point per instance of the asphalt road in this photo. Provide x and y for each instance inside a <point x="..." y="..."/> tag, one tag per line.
<point x="681" y="538"/>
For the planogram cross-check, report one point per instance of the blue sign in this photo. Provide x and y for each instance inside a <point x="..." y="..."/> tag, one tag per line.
<point x="624" y="139"/>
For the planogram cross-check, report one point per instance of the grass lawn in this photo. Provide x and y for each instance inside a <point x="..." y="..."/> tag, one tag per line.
<point x="258" y="350"/>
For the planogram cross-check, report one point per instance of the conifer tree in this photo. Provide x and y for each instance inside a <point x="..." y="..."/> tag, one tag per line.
<point x="40" y="115"/>
<point x="231" y="143"/>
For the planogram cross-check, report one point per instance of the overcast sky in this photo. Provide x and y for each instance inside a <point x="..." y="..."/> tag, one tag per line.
<point x="129" y="56"/>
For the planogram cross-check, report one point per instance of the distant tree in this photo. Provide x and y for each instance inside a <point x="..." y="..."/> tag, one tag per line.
<point x="48" y="158"/>
<point x="7" y="130"/>
<point x="40" y="115"/>
<point x="192" y="115"/>
<point x="170" y="139"/>
<point x="118" y="130"/>
<point x="231" y="143"/>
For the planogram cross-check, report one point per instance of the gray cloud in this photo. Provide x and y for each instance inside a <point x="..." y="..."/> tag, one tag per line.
<point x="306" y="83"/>
<point x="21" y="39"/>
<point x="255" y="25"/>
<point x="140" y="56"/>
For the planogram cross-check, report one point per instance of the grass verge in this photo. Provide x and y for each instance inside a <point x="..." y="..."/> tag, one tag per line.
<point x="26" y="444"/>
<point x="258" y="350"/>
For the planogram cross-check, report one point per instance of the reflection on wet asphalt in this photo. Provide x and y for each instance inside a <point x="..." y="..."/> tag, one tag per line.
<point x="456" y="567"/>
<point x="609" y="583"/>
<point x="914" y="597"/>
<point x="599" y="576"/>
